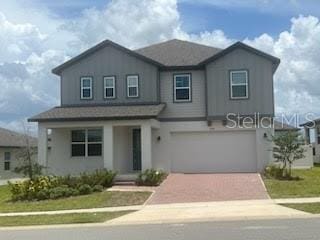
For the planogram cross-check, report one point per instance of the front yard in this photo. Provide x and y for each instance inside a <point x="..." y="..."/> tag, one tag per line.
<point x="95" y="200"/>
<point x="307" y="186"/>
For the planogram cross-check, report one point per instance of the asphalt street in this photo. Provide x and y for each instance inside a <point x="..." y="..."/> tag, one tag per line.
<point x="280" y="229"/>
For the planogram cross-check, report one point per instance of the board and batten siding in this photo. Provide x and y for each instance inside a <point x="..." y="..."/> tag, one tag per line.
<point x="195" y="108"/>
<point x="260" y="77"/>
<point x="105" y="62"/>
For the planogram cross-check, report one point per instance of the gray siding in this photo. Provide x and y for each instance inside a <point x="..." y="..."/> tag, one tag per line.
<point x="109" y="61"/>
<point x="260" y="85"/>
<point x="195" y="108"/>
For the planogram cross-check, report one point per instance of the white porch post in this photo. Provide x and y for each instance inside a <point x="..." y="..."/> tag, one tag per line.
<point x="108" y="147"/>
<point x="42" y="145"/>
<point x="146" y="147"/>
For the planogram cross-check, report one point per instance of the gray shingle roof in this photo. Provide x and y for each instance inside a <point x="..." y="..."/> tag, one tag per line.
<point x="99" y="113"/>
<point x="178" y="53"/>
<point x="10" y="138"/>
<point x="279" y="126"/>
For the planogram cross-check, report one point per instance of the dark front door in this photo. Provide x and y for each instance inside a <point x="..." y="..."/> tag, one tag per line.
<point x="136" y="147"/>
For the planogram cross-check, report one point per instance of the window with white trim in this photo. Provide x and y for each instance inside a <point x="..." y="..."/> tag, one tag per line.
<point x="182" y="88"/>
<point x="86" y="142"/>
<point x="133" y="86"/>
<point x="86" y="87"/>
<point x="7" y="158"/>
<point x="239" y="84"/>
<point x="109" y="87"/>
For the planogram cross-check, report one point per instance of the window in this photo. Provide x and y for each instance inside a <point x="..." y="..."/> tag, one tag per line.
<point x="239" y="84"/>
<point x="133" y="86"/>
<point x="109" y="87"/>
<point x="86" y="142"/>
<point x="94" y="142"/>
<point x="318" y="135"/>
<point x="7" y="158"/>
<point x="182" y="88"/>
<point x="86" y="88"/>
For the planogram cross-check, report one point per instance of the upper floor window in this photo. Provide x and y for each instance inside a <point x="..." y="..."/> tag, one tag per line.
<point x="182" y="88"/>
<point x="239" y="84"/>
<point x="86" y="88"/>
<point x="7" y="158"/>
<point x="109" y="87"/>
<point x="133" y="86"/>
<point x="86" y="142"/>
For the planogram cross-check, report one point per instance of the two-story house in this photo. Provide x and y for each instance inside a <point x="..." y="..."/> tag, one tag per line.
<point x="165" y="106"/>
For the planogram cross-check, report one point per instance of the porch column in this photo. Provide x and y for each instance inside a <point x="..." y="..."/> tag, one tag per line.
<point x="307" y="134"/>
<point x="146" y="145"/>
<point x="108" y="147"/>
<point x="42" y="145"/>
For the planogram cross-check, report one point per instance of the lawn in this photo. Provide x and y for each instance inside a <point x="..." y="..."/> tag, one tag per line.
<point x="95" y="200"/>
<point x="308" y="186"/>
<point x="60" y="218"/>
<point x="306" y="207"/>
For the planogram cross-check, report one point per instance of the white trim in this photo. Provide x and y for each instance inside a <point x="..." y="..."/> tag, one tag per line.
<point x="83" y="88"/>
<point x="113" y="78"/>
<point x="175" y="88"/>
<point x="238" y="84"/>
<point x="136" y="85"/>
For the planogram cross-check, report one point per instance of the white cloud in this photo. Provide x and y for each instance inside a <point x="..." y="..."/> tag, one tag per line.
<point x="32" y="43"/>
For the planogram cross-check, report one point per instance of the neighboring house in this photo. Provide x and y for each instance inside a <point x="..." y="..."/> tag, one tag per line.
<point x="308" y="159"/>
<point x="164" y="106"/>
<point x="315" y="127"/>
<point x="10" y="145"/>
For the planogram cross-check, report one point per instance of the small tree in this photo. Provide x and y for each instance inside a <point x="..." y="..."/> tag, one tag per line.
<point x="27" y="157"/>
<point x="287" y="149"/>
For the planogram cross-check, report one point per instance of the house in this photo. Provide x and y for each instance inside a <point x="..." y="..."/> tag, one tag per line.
<point x="281" y="127"/>
<point x="177" y="106"/>
<point x="10" y="146"/>
<point x="312" y="136"/>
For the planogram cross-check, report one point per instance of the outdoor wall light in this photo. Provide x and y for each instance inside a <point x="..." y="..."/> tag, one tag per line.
<point x="265" y="135"/>
<point x="158" y="138"/>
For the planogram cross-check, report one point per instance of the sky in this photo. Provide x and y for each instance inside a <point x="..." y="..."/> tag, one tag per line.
<point x="37" y="35"/>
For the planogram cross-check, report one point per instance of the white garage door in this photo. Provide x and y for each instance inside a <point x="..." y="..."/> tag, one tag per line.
<point x="199" y="152"/>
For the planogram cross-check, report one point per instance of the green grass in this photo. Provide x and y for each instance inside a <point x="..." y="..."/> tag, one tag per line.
<point x="308" y="186"/>
<point x="306" y="207"/>
<point x="60" y="218"/>
<point x="95" y="200"/>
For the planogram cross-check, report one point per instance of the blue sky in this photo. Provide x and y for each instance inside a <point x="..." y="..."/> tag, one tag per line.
<point x="37" y="35"/>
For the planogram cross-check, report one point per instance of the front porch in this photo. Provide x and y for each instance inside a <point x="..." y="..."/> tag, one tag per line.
<point x="124" y="146"/>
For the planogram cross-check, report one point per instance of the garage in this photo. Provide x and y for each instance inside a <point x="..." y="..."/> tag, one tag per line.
<point x="217" y="152"/>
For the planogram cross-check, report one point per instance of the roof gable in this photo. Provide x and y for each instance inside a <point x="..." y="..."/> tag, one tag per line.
<point x="96" y="48"/>
<point x="237" y="45"/>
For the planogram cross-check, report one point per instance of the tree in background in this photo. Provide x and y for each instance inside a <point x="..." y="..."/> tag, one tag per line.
<point x="287" y="149"/>
<point x="27" y="157"/>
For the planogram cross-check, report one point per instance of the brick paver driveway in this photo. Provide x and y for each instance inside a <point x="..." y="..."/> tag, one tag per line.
<point x="181" y="188"/>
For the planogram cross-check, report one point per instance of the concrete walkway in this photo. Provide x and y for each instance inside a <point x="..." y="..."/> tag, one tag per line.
<point x="192" y="212"/>
<point x="90" y="210"/>
<point x="297" y="200"/>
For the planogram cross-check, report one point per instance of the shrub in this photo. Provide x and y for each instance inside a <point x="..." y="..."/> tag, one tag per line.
<point x="151" y="177"/>
<point x="97" y="188"/>
<point x="52" y="187"/>
<point x="273" y="171"/>
<point x="85" y="189"/>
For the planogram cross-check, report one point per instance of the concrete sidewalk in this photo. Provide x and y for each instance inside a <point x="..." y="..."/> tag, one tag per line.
<point x="231" y="210"/>
<point x="297" y="200"/>
<point x="90" y="210"/>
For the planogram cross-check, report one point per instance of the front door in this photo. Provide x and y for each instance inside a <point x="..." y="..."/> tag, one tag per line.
<point x="136" y="148"/>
